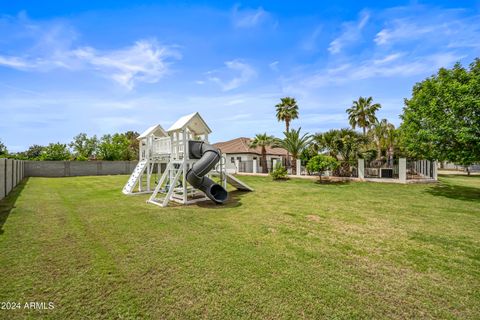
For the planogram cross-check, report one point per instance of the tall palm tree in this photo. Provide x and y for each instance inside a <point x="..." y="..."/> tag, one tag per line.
<point x="385" y="137"/>
<point x="287" y="110"/>
<point x="362" y="113"/>
<point x="263" y="141"/>
<point x="294" y="143"/>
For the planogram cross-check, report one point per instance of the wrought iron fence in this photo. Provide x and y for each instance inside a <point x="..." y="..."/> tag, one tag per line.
<point x="420" y="169"/>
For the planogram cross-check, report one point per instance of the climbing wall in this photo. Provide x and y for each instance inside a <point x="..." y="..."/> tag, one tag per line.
<point x="136" y="174"/>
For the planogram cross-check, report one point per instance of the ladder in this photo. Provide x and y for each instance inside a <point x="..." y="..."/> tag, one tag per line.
<point x="135" y="177"/>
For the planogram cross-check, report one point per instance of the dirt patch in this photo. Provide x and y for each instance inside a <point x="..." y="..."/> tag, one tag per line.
<point x="312" y="217"/>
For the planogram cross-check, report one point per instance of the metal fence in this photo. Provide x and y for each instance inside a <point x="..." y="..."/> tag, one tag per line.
<point x="420" y="169"/>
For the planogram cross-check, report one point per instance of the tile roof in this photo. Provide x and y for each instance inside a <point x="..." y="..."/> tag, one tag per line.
<point x="241" y="145"/>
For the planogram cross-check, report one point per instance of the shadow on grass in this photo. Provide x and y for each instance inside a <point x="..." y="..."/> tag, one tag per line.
<point x="457" y="192"/>
<point x="233" y="201"/>
<point x="8" y="203"/>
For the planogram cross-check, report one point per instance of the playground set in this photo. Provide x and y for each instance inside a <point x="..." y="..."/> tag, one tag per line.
<point x="180" y="162"/>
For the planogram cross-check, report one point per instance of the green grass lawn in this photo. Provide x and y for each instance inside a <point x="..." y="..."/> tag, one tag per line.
<point x="289" y="250"/>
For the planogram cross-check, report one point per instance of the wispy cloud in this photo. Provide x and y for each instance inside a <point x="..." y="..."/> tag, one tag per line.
<point x="248" y="18"/>
<point x="351" y="32"/>
<point x="145" y="61"/>
<point x="310" y="42"/>
<point x="274" y="65"/>
<point x="242" y="71"/>
<point x="14" y="62"/>
<point x="429" y="25"/>
<point x="389" y="66"/>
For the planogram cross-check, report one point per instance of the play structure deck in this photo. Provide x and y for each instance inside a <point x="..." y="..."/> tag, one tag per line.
<point x="183" y="163"/>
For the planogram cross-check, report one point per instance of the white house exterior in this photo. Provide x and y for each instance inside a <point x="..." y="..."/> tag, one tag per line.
<point x="241" y="157"/>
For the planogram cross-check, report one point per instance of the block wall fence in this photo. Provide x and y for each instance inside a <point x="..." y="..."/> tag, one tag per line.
<point x="12" y="172"/>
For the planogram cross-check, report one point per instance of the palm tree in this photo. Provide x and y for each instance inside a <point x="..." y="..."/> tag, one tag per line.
<point x="263" y="141"/>
<point x="362" y="113"/>
<point x="294" y="143"/>
<point x="385" y="137"/>
<point x="345" y="145"/>
<point x="287" y="110"/>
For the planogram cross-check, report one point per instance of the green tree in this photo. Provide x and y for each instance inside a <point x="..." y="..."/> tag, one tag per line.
<point x="3" y="149"/>
<point x="321" y="163"/>
<point x="362" y="113"/>
<point x="287" y="110"/>
<point x="34" y="152"/>
<point x="384" y="136"/>
<point x="263" y="141"/>
<point x="55" y="152"/>
<point x="294" y="143"/>
<point x="114" y="147"/>
<point x="442" y="118"/>
<point x="84" y="147"/>
<point x="134" y="145"/>
<point x="342" y="144"/>
<point x="345" y="145"/>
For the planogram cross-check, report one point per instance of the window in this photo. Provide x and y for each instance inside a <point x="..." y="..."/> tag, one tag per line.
<point x="232" y="159"/>
<point x="239" y="159"/>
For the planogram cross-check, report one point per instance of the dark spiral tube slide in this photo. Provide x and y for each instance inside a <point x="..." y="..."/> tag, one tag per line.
<point x="208" y="157"/>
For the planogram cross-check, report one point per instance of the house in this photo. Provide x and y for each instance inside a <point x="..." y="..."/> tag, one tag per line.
<point x="239" y="154"/>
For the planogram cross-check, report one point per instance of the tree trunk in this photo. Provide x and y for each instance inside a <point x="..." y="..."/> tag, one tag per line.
<point x="287" y="126"/>
<point x="264" y="160"/>
<point x="364" y="130"/>
<point x="294" y="166"/>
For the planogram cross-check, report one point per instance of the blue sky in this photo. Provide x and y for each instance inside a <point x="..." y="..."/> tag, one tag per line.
<point x="108" y="66"/>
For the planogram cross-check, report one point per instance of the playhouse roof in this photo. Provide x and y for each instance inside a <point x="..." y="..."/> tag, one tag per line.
<point x="155" y="130"/>
<point x="194" y="122"/>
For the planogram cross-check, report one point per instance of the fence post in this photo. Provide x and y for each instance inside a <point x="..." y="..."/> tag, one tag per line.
<point x="361" y="169"/>
<point x="274" y="164"/>
<point x="254" y="169"/>
<point x="3" y="178"/>
<point x="435" y="170"/>
<point x="299" y="167"/>
<point x="402" y="170"/>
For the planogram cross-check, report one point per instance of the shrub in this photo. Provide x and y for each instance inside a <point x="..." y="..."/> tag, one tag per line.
<point x="321" y="163"/>
<point x="279" y="173"/>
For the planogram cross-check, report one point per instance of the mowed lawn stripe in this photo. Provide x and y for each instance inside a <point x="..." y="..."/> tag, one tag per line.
<point x="293" y="249"/>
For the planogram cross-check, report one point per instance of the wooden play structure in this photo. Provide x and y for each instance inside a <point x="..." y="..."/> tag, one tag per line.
<point x="184" y="164"/>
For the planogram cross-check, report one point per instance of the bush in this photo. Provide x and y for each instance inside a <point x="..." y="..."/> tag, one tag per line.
<point x="321" y="163"/>
<point x="279" y="173"/>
